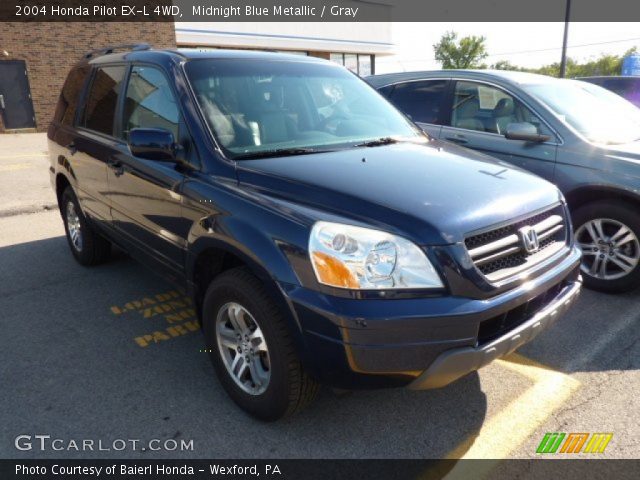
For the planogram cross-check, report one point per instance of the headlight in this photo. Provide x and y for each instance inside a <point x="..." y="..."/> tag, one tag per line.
<point x="351" y="257"/>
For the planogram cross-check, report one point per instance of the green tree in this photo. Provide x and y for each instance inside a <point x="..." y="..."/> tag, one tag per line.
<point x="466" y="53"/>
<point x="505" y="65"/>
<point x="603" y="65"/>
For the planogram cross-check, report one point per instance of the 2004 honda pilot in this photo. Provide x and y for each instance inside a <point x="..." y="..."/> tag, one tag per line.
<point x="323" y="237"/>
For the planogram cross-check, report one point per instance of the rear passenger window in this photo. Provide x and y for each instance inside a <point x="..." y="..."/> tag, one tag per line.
<point x="68" y="101"/>
<point x="100" y="107"/>
<point x="421" y="101"/>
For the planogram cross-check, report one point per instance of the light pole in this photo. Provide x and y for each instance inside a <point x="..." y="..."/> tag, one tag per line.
<point x="563" y="60"/>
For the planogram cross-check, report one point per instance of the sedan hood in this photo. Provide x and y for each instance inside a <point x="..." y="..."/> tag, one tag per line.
<point x="434" y="193"/>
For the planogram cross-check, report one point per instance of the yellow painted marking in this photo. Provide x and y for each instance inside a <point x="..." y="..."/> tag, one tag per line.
<point x="171" y="332"/>
<point x="505" y="432"/>
<point x="180" y="316"/>
<point x="25" y="155"/>
<point x="147" y="306"/>
<point x="12" y="167"/>
<point x="173" y="307"/>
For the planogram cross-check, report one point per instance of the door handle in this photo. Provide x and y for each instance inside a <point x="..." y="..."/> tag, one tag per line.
<point x="117" y="167"/>
<point x="2" y="102"/>
<point x="72" y="148"/>
<point x="457" y="139"/>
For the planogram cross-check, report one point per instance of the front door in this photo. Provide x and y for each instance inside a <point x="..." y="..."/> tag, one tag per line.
<point x="16" y="107"/>
<point x="480" y="114"/>
<point x="146" y="201"/>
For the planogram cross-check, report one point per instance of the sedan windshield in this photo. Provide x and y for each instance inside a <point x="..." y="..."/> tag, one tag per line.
<point x="262" y="108"/>
<point x="598" y="114"/>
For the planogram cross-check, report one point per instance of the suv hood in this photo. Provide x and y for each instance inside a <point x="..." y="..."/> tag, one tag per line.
<point x="433" y="194"/>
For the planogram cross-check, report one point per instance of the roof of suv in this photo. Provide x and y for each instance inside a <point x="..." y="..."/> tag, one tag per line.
<point x="521" y="78"/>
<point x="188" y="54"/>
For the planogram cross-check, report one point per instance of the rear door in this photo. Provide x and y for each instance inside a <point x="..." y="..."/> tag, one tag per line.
<point x="479" y="116"/>
<point x="145" y="195"/>
<point x="423" y="101"/>
<point x="94" y="141"/>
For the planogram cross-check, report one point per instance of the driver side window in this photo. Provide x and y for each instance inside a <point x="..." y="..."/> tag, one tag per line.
<point x="485" y="108"/>
<point x="150" y="103"/>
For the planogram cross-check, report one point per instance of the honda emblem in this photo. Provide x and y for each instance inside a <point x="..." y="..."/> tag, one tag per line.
<point x="529" y="239"/>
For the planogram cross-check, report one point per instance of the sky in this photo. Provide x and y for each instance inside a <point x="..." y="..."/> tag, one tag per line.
<point x="515" y="41"/>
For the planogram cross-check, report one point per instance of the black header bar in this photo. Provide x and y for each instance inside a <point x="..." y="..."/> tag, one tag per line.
<point x="316" y="10"/>
<point x="318" y="469"/>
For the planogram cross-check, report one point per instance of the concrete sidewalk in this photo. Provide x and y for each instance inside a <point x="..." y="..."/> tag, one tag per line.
<point x="24" y="177"/>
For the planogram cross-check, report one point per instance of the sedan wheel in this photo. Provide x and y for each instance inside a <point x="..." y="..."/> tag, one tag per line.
<point x="610" y="249"/>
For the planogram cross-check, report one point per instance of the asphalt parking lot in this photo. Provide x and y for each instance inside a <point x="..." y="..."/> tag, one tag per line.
<point x="114" y="352"/>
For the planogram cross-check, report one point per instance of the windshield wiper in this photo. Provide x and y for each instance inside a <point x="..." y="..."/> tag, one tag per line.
<point x="277" y="152"/>
<point x="378" y="142"/>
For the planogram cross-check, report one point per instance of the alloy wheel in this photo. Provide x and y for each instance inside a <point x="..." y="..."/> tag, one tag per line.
<point x="243" y="348"/>
<point x="610" y="248"/>
<point x="74" y="227"/>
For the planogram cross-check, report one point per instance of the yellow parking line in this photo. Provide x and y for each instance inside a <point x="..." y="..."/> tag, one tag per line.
<point x="505" y="432"/>
<point x="24" y="155"/>
<point x="11" y="167"/>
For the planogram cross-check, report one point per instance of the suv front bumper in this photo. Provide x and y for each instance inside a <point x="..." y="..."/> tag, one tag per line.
<point x="457" y="362"/>
<point x="422" y="342"/>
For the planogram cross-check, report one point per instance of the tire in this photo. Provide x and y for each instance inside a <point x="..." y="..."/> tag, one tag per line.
<point x="614" y="247"/>
<point x="89" y="248"/>
<point x="281" y="387"/>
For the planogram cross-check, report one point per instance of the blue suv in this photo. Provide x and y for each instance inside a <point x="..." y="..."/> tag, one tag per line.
<point x="323" y="237"/>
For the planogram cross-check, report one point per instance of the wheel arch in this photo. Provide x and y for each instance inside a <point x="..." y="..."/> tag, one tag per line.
<point x="590" y="194"/>
<point x="210" y="256"/>
<point x="62" y="182"/>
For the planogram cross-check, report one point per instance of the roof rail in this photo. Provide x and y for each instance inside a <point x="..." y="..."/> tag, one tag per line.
<point x="134" y="47"/>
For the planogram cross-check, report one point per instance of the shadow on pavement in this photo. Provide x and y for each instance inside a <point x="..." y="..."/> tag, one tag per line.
<point x="71" y="355"/>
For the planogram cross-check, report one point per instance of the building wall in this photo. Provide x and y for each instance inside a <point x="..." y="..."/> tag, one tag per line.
<point x="348" y="37"/>
<point x="50" y="49"/>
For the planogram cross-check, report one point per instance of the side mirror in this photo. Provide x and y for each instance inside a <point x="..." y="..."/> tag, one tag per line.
<point x="152" y="144"/>
<point x="525" y="131"/>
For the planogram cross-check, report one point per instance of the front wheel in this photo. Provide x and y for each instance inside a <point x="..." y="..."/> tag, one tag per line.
<point x="251" y="348"/>
<point x="608" y="234"/>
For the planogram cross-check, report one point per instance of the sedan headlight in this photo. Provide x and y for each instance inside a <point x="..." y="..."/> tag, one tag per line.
<point x="346" y="256"/>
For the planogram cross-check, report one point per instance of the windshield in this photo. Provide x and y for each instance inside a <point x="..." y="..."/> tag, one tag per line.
<point x="261" y="107"/>
<point x="598" y="114"/>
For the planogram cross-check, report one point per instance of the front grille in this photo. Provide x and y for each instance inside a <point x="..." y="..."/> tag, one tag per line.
<point x="499" y="253"/>
<point x="497" y="326"/>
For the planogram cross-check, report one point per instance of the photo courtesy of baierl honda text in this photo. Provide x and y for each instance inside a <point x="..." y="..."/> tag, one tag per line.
<point x="319" y="239"/>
